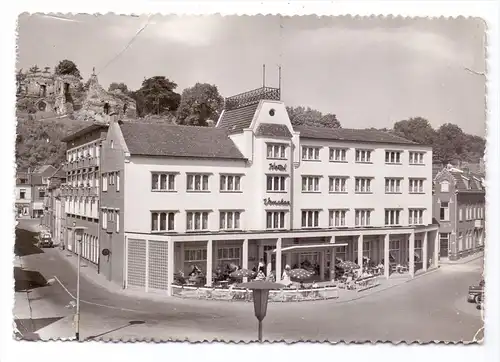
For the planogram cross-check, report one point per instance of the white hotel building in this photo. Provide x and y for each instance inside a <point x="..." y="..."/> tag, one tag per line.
<point x="255" y="187"/>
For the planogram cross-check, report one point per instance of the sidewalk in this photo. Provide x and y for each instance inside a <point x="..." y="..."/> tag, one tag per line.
<point x="465" y="260"/>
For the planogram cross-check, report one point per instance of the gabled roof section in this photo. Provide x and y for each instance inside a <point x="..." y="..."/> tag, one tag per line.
<point x="273" y="130"/>
<point x="356" y="135"/>
<point x="93" y="127"/>
<point x="235" y="120"/>
<point x="147" y="139"/>
<point x="59" y="173"/>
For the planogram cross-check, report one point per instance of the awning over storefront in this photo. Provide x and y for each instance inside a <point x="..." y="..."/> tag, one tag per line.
<point x="308" y="247"/>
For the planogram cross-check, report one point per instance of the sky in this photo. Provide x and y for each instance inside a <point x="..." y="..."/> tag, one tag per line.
<point x="370" y="72"/>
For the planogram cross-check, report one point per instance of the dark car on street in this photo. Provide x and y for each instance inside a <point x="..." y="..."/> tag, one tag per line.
<point x="476" y="293"/>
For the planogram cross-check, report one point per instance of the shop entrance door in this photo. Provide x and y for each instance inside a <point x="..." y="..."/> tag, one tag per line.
<point x="444" y="244"/>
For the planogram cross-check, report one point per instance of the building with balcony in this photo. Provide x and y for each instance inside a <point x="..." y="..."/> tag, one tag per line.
<point x="23" y="194"/>
<point x="256" y="189"/>
<point x="81" y="190"/>
<point x="459" y="207"/>
<point x="54" y="217"/>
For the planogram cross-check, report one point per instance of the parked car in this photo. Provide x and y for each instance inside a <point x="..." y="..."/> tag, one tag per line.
<point x="45" y="240"/>
<point x="476" y="293"/>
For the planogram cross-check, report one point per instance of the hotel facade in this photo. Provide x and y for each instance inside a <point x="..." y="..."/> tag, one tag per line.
<point x="256" y="188"/>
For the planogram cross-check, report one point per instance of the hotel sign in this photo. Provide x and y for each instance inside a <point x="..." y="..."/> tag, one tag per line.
<point x="282" y="202"/>
<point x="275" y="167"/>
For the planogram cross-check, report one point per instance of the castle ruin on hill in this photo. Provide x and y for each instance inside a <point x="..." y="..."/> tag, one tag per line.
<point x="45" y="94"/>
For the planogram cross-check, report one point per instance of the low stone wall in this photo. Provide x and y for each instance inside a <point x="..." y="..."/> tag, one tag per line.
<point x="283" y="295"/>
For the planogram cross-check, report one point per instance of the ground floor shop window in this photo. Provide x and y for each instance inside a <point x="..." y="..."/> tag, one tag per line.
<point x="229" y="255"/>
<point x="418" y="251"/>
<point x="460" y="241"/>
<point x="395" y="251"/>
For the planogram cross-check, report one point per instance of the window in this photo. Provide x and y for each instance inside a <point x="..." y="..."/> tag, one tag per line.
<point x="460" y="241"/>
<point x="415" y="216"/>
<point x="229" y="254"/>
<point x="111" y="144"/>
<point x="310" y="153"/>
<point x="230" y="183"/>
<point x="445" y="186"/>
<point x="337" y="184"/>
<point x="337" y="218"/>
<point x="276" y="183"/>
<point x="229" y="220"/>
<point x="162" y="181"/>
<point x="104" y="182"/>
<point x="416" y="158"/>
<point x="415" y="186"/>
<point x="104" y="219"/>
<point x="366" y="250"/>
<point x="392" y="185"/>
<point x="310" y="183"/>
<point x="418" y="250"/>
<point x="444" y="211"/>
<point x="117" y="221"/>
<point x="118" y="181"/>
<point x="197" y="182"/>
<point x="195" y="255"/>
<point x="41" y="193"/>
<point x="275" y="219"/>
<point x="363" y="185"/>
<point x="392" y="217"/>
<point x="460" y="214"/>
<point x="197" y="220"/>
<point x="338" y="154"/>
<point x="162" y="221"/>
<point x="310" y="218"/>
<point x="22" y="194"/>
<point x="363" y="156"/>
<point x="362" y="217"/>
<point x="276" y="151"/>
<point x="393" y="157"/>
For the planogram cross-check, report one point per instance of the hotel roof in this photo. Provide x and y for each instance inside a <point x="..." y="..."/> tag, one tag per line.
<point x="273" y="130"/>
<point x="355" y="135"/>
<point x="178" y="141"/>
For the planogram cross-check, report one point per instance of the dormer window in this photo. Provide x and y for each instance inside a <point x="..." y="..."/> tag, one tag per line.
<point x="445" y="186"/>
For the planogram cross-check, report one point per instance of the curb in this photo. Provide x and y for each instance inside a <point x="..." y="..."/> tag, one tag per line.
<point x="459" y="262"/>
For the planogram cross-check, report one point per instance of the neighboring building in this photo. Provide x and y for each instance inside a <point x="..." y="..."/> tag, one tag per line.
<point x="81" y="191"/>
<point x="23" y="194"/>
<point x="39" y="179"/>
<point x="54" y="215"/>
<point x="252" y="188"/>
<point x="459" y="206"/>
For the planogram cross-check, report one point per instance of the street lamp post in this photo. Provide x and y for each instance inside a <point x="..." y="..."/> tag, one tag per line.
<point x="78" y="235"/>
<point x="260" y="291"/>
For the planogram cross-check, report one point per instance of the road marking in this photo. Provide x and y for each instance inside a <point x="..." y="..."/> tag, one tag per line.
<point x="97" y="304"/>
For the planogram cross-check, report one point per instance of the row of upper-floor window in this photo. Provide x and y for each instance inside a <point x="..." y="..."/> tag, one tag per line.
<point x="279" y="183"/>
<point x="85" y="151"/>
<point x="111" y="178"/>
<point x="164" y="221"/>
<point x="342" y="154"/>
<point x="82" y="206"/>
<point x="471" y="212"/>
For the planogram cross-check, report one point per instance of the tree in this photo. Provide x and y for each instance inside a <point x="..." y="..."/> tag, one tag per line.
<point x="46" y="69"/>
<point x="449" y="146"/>
<point x="67" y="67"/>
<point x="120" y="86"/>
<point x="157" y="96"/>
<point x="200" y="103"/>
<point x="416" y="129"/>
<point x="301" y="116"/>
<point x="34" y="69"/>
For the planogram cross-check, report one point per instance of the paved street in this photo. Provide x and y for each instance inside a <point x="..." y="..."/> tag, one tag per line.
<point x="431" y="307"/>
